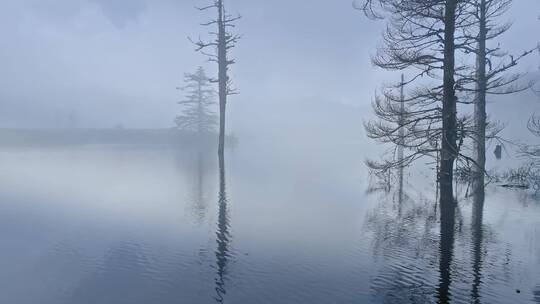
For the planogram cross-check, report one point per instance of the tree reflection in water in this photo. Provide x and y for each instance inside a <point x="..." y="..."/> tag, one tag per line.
<point x="405" y="238"/>
<point x="446" y="248"/>
<point x="537" y="294"/>
<point x="196" y="165"/>
<point x="428" y="255"/>
<point x="477" y="233"/>
<point x="223" y="237"/>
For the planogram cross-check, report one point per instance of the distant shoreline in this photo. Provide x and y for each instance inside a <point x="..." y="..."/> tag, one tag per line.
<point x="118" y="136"/>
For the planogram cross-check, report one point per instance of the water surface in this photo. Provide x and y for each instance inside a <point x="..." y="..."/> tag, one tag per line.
<point x="134" y="225"/>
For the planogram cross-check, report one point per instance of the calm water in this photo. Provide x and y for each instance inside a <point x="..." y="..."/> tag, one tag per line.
<point x="284" y="225"/>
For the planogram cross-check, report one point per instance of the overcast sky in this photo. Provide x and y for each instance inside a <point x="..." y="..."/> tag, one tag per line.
<point x="109" y="62"/>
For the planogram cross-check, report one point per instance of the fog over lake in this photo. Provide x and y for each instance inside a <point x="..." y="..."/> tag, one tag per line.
<point x="116" y="188"/>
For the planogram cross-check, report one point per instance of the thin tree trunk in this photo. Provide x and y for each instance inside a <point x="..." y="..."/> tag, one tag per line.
<point x="449" y="134"/>
<point x="480" y="105"/>
<point x="401" y="139"/>
<point x="221" y="148"/>
<point x="223" y="78"/>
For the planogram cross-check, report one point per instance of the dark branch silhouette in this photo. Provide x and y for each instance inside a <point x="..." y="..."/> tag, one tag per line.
<point x="217" y="50"/>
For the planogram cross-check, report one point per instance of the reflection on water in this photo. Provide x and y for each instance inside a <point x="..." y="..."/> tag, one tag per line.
<point x="477" y="239"/>
<point x="198" y="166"/>
<point x="117" y="225"/>
<point x="432" y="256"/>
<point x="405" y="236"/>
<point x="223" y="237"/>
<point x="446" y="250"/>
<point x="122" y="277"/>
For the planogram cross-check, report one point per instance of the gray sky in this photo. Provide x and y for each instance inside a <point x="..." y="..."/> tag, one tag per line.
<point x="108" y="62"/>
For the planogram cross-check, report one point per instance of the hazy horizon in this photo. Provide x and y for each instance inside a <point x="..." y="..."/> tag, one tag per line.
<point x="108" y="63"/>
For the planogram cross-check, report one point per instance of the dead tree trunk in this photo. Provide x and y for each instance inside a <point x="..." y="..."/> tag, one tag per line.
<point x="480" y="115"/>
<point x="449" y="150"/>
<point x="223" y="42"/>
<point x="448" y="153"/>
<point x="223" y="77"/>
<point x="491" y="76"/>
<point x="401" y="138"/>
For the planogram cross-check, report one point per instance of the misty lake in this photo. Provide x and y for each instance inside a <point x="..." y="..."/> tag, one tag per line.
<point x="98" y="224"/>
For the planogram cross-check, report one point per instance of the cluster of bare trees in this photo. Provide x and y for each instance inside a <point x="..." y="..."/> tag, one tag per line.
<point x="449" y="50"/>
<point x="217" y="50"/>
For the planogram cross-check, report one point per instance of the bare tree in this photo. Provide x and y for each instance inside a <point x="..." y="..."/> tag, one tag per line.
<point x="197" y="115"/>
<point x="220" y="47"/>
<point x="421" y="38"/>
<point x="491" y="75"/>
